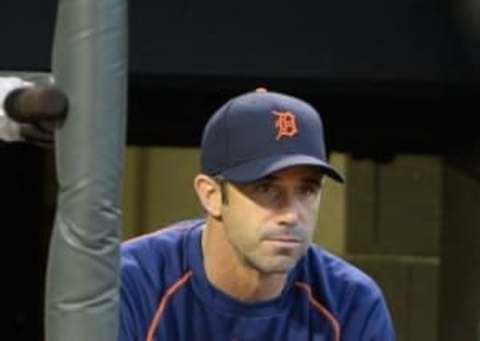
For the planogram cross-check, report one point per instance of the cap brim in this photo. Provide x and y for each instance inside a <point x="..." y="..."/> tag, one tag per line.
<point x="259" y="168"/>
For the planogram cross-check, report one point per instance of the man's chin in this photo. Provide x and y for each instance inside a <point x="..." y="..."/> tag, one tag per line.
<point x="282" y="265"/>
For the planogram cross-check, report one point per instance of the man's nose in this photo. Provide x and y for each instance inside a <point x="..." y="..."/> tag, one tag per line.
<point x="289" y="212"/>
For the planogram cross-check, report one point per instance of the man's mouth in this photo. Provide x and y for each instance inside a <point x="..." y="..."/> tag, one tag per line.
<point x="285" y="240"/>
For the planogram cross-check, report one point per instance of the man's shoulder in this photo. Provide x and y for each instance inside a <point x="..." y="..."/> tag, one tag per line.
<point x="159" y="257"/>
<point x="162" y="242"/>
<point x="339" y="275"/>
<point x="351" y="295"/>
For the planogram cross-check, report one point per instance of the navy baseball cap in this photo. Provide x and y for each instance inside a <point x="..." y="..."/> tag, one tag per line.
<point x="261" y="132"/>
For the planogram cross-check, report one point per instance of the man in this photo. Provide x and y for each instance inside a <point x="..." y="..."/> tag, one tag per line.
<point x="28" y="112"/>
<point x="249" y="270"/>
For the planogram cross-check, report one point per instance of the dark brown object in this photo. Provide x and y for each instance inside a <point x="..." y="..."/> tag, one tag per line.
<point x="36" y="104"/>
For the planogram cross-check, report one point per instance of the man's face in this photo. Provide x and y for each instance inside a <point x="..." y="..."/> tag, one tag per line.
<point x="270" y="222"/>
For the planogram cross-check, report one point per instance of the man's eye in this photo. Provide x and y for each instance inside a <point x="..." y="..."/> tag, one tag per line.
<point x="309" y="190"/>
<point x="264" y="187"/>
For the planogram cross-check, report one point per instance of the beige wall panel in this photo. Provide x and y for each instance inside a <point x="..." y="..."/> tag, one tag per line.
<point x="395" y="208"/>
<point x="158" y="188"/>
<point x="460" y="276"/>
<point x="331" y="227"/>
<point x="361" y="206"/>
<point x="423" y="301"/>
<point x="409" y="205"/>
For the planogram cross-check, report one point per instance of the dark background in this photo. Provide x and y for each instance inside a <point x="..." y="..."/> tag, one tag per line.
<point x="388" y="76"/>
<point x="403" y="72"/>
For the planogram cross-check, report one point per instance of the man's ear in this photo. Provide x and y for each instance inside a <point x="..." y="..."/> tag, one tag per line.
<point x="209" y="193"/>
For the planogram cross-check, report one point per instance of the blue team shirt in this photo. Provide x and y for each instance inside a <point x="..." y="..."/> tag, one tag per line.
<point x="165" y="295"/>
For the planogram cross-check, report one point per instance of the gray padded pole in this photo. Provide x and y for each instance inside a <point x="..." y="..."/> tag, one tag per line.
<point x="90" y="66"/>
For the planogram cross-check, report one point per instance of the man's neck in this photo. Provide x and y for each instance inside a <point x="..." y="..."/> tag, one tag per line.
<point x="228" y="273"/>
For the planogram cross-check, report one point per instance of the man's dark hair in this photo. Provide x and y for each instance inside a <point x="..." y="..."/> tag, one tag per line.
<point x="222" y="182"/>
